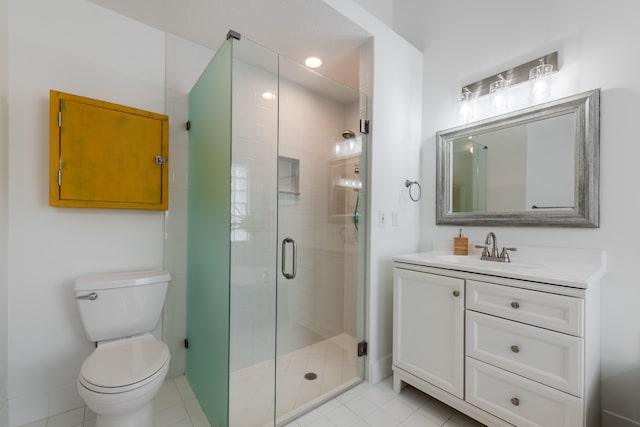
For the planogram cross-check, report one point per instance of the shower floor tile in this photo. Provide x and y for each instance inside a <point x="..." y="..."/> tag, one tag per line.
<point x="333" y="361"/>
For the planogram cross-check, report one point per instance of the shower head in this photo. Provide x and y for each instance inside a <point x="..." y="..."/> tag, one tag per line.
<point x="348" y="134"/>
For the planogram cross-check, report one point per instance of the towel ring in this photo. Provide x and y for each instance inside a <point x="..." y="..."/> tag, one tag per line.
<point x="409" y="185"/>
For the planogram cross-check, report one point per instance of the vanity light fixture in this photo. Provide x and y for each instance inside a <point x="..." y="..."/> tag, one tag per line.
<point x="313" y="62"/>
<point x="540" y="81"/>
<point x="498" y="95"/>
<point x="466" y="113"/>
<point x="542" y="67"/>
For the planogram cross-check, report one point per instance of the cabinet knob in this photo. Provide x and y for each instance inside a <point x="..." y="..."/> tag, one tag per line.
<point x="515" y="349"/>
<point x="515" y="304"/>
<point x="456" y="293"/>
<point x="515" y="401"/>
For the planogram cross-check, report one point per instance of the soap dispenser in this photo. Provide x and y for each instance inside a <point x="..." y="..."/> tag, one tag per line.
<point x="460" y="244"/>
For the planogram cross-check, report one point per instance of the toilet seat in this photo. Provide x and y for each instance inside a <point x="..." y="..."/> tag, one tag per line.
<point x="124" y="365"/>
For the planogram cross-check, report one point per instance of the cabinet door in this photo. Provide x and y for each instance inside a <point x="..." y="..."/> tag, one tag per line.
<point x="105" y="155"/>
<point x="428" y="328"/>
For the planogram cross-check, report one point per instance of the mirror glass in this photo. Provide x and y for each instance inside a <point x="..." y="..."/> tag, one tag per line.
<point x="537" y="166"/>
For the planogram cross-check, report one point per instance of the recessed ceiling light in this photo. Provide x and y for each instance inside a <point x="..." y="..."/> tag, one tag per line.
<point x="313" y="62"/>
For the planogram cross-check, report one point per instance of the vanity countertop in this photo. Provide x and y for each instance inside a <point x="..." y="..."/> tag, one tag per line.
<point x="571" y="267"/>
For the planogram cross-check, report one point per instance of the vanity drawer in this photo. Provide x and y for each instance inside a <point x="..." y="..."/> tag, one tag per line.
<point x="541" y="355"/>
<point x="556" y="312"/>
<point x="518" y="400"/>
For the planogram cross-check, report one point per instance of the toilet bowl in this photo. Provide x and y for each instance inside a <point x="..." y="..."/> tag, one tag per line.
<point x="120" y="379"/>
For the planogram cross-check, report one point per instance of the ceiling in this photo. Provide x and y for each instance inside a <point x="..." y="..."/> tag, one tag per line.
<point x="293" y="28"/>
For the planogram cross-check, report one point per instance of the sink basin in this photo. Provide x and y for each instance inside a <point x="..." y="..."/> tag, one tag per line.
<point x="477" y="262"/>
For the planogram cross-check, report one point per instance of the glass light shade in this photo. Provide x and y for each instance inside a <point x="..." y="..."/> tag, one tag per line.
<point x="498" y="95"/>
<point x="467" y="110"/>
<point x="540" y="82"/>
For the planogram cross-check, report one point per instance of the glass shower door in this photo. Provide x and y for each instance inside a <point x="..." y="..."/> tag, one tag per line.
<point x="321" y="198"/>
<point x="253" y="208"/>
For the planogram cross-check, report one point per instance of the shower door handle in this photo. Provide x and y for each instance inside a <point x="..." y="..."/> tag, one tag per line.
<point x="294" y="261"/>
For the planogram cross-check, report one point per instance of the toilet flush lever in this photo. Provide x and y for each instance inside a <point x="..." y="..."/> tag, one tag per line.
<point x="92" y="296"/>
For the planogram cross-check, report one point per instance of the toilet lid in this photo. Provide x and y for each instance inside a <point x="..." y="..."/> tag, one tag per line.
<point x="124" y="362"/>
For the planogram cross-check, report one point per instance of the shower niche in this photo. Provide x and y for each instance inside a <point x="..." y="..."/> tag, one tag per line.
<point x="288" y="176"/>
<point x="275" y="284"/>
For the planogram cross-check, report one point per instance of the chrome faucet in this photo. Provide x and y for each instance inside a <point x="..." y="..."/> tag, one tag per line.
<point x="491" y="238"/>
<point x="493" y="255"/>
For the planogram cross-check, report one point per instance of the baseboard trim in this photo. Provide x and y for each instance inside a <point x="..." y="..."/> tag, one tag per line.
<point x="609" y="419"/>
<point x="380" y="369"/>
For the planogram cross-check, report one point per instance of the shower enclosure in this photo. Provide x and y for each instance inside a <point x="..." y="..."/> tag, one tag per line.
<point x="276" y="229"/>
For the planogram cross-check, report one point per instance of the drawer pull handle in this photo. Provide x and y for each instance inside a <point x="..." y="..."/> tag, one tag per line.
<point x="456" y="293"/>
<point x="515" y="401"/>
<point x="515" y="349"/>
<point x="515" y="304"/>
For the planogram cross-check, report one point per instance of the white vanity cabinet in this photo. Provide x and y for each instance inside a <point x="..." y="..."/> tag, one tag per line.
<point x="504" y="350"/>
<point x="428" y="329"/>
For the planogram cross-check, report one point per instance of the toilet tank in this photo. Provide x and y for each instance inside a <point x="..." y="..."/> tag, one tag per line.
<point x="118" y="305"/>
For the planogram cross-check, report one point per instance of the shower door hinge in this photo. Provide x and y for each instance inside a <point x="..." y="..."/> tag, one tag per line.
<point x="364" y="126"/>
<point x="362" y="348"/>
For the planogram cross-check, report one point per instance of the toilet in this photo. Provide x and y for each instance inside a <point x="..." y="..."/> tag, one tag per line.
<point x="119" y="380"/>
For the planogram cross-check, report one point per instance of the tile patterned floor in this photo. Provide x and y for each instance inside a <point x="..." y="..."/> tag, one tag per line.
<point x="362" y="406"/>
<point x="174" y="406"/>
<point x="378" y="406"/>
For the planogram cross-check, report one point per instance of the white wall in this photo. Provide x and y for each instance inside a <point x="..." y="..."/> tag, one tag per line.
<point x="381" y="9"/>
<point x="395" y="148"/>
<point x="4" y="177"/>
<point x="592" y="39"/>
<point x="77" y="47"/>
<point x="550" y="182"/>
